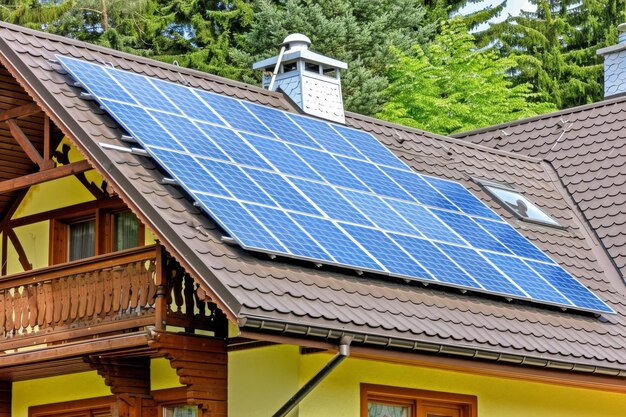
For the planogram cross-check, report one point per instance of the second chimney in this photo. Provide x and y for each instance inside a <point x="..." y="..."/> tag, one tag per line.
<point x="615" y="65"/>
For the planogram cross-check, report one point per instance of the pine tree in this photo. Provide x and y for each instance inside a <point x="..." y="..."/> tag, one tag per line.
<point x="33" y="13"/>
<point x="359" y="32"/>
<point x="555" y="47"/>
<point x="451" y="86"/>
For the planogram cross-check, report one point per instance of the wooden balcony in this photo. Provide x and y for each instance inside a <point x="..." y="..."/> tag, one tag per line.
<point x="103" y="296"/>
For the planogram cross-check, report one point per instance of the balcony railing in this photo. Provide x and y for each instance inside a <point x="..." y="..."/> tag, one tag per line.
<point x="102" y="295"/>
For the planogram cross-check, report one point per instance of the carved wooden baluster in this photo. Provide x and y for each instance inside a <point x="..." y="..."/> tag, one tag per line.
<point x="65" y="300"/>
<point x="177" y="287"/>
<point x="8" y="311"/>
<point x="2" y="312"/>
<point x="18" y="303"/>
<point x="200" y="303"/>
<point x="125" y="287"/>
<point x="74" y="297"/>
<point x="151" y="285"/>
<point x="144" y="283"/>
<point x="117" y="290"/>
<point x="31" y="291"/>
<point x="108" y="292"/>
<point x="41" y="304"/>
<point x="51" y="307"/>
<point x="99" y="292"/>
<point x="189" y="296"/>
<point x="135" y="283"/>
<point x="82" y="295"/>
<point x="90" y="283"/>
<point x="57" y="301"/>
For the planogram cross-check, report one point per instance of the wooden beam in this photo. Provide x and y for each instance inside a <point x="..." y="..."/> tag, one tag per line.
<point x="21" y="253"/>
<point x="19" y="111"/>
<point x="28" y="147"/>
<point x="44" y="176"/>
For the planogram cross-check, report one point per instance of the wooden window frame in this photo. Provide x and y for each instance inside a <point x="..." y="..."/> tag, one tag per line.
<point x="104" y="229"/>
<point x="86" y="407"/>
<point x="417" y="399"/>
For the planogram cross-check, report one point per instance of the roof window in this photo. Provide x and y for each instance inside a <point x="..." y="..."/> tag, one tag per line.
<point x="517" y="203"/>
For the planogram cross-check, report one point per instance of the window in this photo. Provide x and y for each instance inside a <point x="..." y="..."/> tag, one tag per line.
<point x="91" y="230"/>
<point x="518" y="204"/>
<point x="384" y="401"/>
<point x="81" y="239"/>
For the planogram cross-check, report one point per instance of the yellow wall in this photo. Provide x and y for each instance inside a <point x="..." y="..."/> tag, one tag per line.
<point x="56" y="389"/>
<point x="261" y="380"/>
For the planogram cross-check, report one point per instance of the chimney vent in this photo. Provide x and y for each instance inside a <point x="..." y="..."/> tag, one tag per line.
<point x="615" y="65"/>
<point x="312" y="81"/>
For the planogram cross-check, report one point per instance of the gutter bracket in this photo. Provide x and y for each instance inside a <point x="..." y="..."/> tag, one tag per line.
<point x="344" y="352"/>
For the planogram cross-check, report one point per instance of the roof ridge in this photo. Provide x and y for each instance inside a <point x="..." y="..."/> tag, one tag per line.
<point x="581" y="108"/>
<point x="450" y="139"/>
<point x="140" y="59"/>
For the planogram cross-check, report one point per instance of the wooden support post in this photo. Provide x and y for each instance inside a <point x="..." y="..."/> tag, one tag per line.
<point x="160" y="304"/>
<point x="6" y="388"/>
<point x="129" y="379"/>
<point x="202" y="365"/>
<point x="47" y="144"/>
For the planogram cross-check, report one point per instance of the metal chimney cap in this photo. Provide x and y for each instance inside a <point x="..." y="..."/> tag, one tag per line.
<point x="620" y="28"/>
<point x="296" y="41"/>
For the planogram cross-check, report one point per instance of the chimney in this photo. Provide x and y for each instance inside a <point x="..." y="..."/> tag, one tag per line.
<point x="615" y="65"/>
<point x="311" y="80"/>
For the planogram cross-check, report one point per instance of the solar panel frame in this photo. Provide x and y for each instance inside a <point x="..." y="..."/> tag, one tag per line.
<point x="373" y="164"/>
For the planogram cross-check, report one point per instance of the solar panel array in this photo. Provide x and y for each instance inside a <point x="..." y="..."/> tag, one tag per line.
<point x="299" y="187"/>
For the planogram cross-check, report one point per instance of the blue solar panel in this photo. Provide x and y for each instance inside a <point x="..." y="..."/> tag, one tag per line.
<point x="378" y="212"/>
<point x="235" y="114"/>
<point x="329" y="168"/>
<point x="281" y="125"/>
<point x="295" y="186"/>
<point x="433" y="259"/>
<point x="282" y="157"/>
<point x="462" y="198"/>
<point x="142" y="90"/>
<point x="328" y="200"/>
<point x="234" y="218"/>
<point x="235" y="146"/>
<point x="288" y="233"/>
<point x="370" y="147"/>
<point x="337" y="243"/>
<point x="189" y="136"/>
<point x="386" y="252"/>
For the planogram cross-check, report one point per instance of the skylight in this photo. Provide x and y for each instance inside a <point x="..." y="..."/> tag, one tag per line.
<point x="518" y="204"/>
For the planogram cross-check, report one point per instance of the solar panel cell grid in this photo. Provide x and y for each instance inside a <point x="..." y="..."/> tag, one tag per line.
<point x="304" y="188"/>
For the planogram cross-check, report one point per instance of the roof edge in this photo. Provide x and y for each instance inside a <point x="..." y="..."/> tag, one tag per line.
<point x="435" y="136"/>
<point x="273" y="326"/>
<point x="607" y="101"/>
<point x="140" y="59"/>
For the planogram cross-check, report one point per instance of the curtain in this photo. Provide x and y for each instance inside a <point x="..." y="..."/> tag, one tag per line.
<point x="126" y="231"/>
<point x="82" y="240"/>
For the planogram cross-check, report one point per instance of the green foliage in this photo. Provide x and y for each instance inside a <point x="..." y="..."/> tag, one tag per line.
<point x="359" y="32"/>
<point x="450" y="86"/>
<point x="555" y="47"/>
<point x="32" y="13"/>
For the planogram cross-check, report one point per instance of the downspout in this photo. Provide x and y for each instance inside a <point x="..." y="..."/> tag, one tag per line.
<point x="344" y="352"/>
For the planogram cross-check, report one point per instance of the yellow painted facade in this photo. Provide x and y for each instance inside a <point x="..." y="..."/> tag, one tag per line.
<point x="260" y="381"/>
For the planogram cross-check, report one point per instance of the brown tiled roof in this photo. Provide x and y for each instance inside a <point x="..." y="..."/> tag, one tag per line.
<point x="587" y="148"/>
<point x="276" y="295"/>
